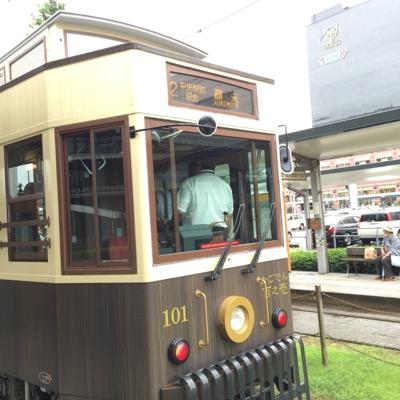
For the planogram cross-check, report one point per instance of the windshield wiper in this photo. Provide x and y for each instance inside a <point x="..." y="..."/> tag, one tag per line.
<point x="220" y="265"/>
<point x="252" y="266"/>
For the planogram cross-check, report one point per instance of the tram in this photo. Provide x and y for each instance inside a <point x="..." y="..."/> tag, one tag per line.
<point x="108" y="289"/>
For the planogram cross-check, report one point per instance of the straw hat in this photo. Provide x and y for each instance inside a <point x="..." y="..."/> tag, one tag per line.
<point x="387" y="228"/>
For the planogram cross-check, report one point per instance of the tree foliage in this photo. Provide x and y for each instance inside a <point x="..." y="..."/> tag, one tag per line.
<point x="45" y="11"/>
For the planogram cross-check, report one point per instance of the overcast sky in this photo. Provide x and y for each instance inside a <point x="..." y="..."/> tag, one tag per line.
<point x="264" y="37"/>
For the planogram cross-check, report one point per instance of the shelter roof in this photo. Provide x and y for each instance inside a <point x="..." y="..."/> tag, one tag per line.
<point x="358" y="135"/>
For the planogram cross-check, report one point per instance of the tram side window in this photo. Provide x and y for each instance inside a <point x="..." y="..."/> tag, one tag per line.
<point x="96" y="198"/>
<point x="26" y="201"/>
<point x="200" y="184"/>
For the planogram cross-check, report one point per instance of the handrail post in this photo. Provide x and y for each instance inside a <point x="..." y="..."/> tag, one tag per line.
<point x="322" y="337"/>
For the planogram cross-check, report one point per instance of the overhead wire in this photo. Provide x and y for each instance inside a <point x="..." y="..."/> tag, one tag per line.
<point x="222" y="19"/>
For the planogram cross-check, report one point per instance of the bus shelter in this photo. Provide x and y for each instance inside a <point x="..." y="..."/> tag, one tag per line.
<point x="363" y="134"/>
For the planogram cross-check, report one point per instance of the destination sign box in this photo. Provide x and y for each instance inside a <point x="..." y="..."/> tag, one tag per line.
<point x="197" y="89"/>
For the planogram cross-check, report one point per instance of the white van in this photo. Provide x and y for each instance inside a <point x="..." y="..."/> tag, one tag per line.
<point x="296" y="221"/>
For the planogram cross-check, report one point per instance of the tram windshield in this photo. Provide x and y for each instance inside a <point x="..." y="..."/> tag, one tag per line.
<point x="200" y="184"/>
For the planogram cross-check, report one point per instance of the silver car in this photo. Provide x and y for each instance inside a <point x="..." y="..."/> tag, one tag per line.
<point x="371" y="223"/>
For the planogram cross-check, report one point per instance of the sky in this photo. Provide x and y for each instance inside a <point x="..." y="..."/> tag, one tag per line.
<point x="263" y="37"/>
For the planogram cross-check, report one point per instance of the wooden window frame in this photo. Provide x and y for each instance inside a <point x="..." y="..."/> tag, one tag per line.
<point x="215" y="77"/>
<point x="13" y="61"/>
<point x="84" y="33"/>
<point x="3" y="69"/>
<point x="91" y="268"/>
<point x="39" y="256"/>
<point x="182" y="256"/>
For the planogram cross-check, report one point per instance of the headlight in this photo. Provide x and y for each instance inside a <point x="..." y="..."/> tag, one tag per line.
<point x="236" y="318"/>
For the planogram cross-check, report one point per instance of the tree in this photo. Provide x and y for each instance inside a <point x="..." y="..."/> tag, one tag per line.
<point x="45" y="11"/>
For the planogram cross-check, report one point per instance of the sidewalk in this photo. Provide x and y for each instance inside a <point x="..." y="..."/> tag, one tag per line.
<point x="355" y="319"/>
<point x="360" y="285"/>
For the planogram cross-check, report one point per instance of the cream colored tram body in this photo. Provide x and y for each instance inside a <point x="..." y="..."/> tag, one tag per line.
<point x="105" y="292"/>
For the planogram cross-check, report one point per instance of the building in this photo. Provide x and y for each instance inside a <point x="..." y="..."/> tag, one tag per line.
<point x="353" y="60"/>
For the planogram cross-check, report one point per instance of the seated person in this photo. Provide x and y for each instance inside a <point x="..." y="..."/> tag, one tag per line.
<point x="206" y="198"/>
<point x="391" y="246"/>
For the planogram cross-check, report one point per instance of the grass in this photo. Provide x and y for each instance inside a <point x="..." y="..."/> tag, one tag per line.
<point x="351" y="375"/>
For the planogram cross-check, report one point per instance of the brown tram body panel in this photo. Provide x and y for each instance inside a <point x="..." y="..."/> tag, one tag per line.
<point x="108" y="340"/>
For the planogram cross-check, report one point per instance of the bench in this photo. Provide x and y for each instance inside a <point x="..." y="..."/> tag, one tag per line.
<point x="355" y="261"/>
<point x="393" y="269"/>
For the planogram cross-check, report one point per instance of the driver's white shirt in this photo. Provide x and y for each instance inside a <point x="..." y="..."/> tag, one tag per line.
<point x="204" y="198"/>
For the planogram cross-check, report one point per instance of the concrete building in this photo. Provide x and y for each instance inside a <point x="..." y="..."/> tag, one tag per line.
<point x="354" y="59"/>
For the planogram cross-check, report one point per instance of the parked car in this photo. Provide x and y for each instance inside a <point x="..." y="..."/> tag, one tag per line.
<point x="341" y="229"/>
<point x="371" y="223"/>
<point x="296" y="221"/>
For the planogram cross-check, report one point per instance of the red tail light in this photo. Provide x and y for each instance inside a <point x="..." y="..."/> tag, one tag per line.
<point x="178" y="351"/>
<point x="279" y="318"/>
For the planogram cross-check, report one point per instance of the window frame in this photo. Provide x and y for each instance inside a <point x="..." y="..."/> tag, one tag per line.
<point x="234" y="133"/>
<point x="40" y="256"/>
<point x="89" y="268"/>
<point x="24" y="53"/>
<point x="3" y="74"/>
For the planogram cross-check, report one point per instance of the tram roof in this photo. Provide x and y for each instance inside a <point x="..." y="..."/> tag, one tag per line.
<point x="358" y="135"/>
<point x="132" y="46"/>
<point x="109" y="25"/>
<point x="133" y="37"/>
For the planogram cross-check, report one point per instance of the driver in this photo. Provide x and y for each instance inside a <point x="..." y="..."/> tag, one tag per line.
<point x="205" y="198"/>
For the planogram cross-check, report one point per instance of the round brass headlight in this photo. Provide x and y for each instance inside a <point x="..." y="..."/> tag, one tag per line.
<point x="236" y="318"/>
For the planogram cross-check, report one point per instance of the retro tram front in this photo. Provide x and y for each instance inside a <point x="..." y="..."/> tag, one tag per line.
<point x="142" y="248"/>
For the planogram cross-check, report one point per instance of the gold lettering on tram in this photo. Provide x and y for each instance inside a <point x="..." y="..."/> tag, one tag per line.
<point x="276" y="284"/>
<point x="175" y="316"/>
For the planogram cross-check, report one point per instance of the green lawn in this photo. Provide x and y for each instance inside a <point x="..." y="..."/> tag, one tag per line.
<point x="351" y="375"/>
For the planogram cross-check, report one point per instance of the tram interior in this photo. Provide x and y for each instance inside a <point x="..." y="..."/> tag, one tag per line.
<point x="244" y="164"/>
<point x="97" y="186"/>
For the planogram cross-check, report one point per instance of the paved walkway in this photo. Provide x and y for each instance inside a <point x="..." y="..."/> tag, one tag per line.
<point x="357" y="330"/>
<point x="349" y="323"/>
<point x="362" y="285"/>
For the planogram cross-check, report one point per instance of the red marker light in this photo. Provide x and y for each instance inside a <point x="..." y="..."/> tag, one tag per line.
<point x="217" y="245"/>
<point x="279" y="318"/>
<point x="178" y="351"/>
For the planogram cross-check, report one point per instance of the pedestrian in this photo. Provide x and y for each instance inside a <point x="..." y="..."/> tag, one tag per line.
<point x="391" y="246"/>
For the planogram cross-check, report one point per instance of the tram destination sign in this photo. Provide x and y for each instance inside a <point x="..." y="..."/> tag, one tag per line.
<point x="188" y="87"/>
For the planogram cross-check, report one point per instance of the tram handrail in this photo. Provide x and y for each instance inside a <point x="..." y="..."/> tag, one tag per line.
<point x="26" y="243"/>
<point x="32" y="222"/>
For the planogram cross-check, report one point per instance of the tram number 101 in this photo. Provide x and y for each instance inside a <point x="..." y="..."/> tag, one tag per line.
<point x="175" y="316"/>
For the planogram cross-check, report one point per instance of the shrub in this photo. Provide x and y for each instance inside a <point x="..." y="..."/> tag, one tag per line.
<point x="306" y="260"/>
<point x="303" y="260"/>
